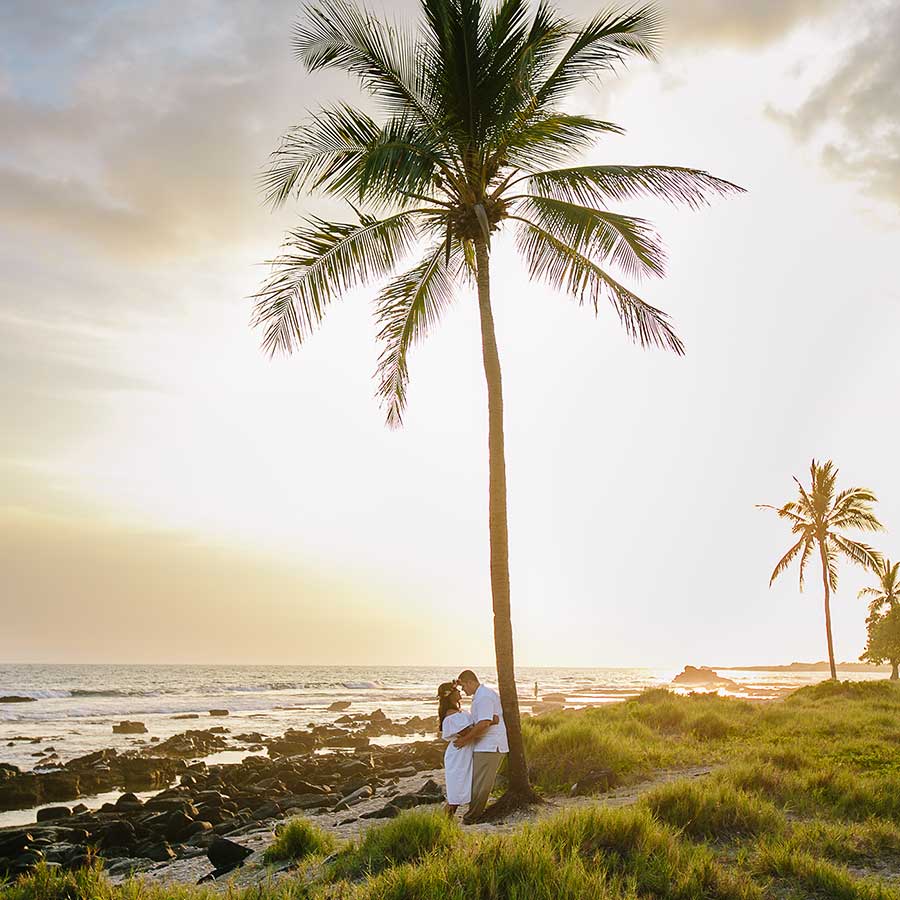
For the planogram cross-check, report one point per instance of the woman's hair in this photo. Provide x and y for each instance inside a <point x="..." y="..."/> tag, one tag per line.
<point x="446" y="701"/>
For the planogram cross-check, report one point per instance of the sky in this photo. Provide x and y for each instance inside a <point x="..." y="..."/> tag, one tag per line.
<point x="170" y="494"/>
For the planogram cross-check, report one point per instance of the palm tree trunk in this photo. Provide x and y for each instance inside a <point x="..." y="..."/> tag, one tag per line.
<point x="519" y="786"/>
<point x="895" y="675"/>
<point x="827" y="609"/>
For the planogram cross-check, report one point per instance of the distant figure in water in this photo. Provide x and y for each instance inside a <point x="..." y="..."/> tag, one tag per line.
<point x="458" y="761"/>
<point x="535" y="691"/>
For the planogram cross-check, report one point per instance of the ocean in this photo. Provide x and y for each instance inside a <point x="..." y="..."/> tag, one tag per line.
<point x="75" y="706"/>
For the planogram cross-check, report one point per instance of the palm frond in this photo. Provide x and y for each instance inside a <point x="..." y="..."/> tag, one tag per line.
<point x="786" y="560"/>
<point x="831" y="560"/>
<point x="551" y="138"/>
<point x="624" y="241"/>
<point x="605" y="42"/>
<point x="860" y="553"/>
<point x="596" y="185"/>
<point x="564" y="268"/>
<point x="335" y="34"/>
<point x="406" y="309"/>
<point x="322" y="261"/>
<point x="804" y="559"/>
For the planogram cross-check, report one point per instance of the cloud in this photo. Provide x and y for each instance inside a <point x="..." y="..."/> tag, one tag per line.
<point x="739" y="22"/>
<point x="853" y="115"/>
<point x="140" y="138"/>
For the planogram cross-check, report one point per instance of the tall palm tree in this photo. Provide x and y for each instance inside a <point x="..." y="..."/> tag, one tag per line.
<point x="885" y="595"/>
<point x="472" y="136"/>
<point x="817" y="517"/>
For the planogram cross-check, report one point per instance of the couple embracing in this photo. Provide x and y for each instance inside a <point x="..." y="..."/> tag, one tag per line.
<point x="476" y="743"/>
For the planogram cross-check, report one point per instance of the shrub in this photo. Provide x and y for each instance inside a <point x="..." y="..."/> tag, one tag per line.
<point x="713" y="811"/>
<point x="710" y="726"/>
<point x="642" y="856"/>
<point x="408" y="838"/>
<point x="298" y="839"/>
<point x="571" y="751"/>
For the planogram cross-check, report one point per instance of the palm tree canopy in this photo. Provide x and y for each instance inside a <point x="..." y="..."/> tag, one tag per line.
<point x="887" y="593"/>
<point x="820" y="514"/>
<point x="471" y="134"/>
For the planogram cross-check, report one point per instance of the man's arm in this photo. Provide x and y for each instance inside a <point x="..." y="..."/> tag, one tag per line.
<point x="470" y="735"/>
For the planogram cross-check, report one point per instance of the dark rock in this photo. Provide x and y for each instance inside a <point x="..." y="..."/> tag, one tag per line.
<point x="178" y="825"/>
<point x="339" y="706"/>
<point x="307" y="801"/>
<point x="266" y="811"/>
<point x="431" y="787"/>
<point x="408" y="801"/>
<point x="703" y="677"/>
<point x="130" y="728"/>
<point x="127" y="866"/>
<point x="187" y="716"/>
<point x="129" y="801"/>
<point x="13" y="698"/>
<point x="596" y="780"/>
<point x="14" y="844"/>
<point x="53" y="812"/>
<point x="226" y="855"/>
<point x="378" y="716"/>
<point x="405" y="772"/>
<point x="191" y="744"/>
<point x="118" y="833"/>
<point x="218" y="712"/>
<point x="79" y="860"/>
<point x="386" y="812"/>
<point x="353" y="798"/>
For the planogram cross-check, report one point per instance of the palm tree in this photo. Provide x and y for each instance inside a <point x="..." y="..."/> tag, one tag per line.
<point x="817" y="517"/>
<point x="471" y="137"/>
<point x="882" y="623"/>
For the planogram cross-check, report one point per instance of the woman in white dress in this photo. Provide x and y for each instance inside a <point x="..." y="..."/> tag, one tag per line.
<point x="453" y="722"/>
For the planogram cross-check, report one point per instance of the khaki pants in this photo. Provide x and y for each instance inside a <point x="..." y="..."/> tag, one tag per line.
<point x="484" y="771"/>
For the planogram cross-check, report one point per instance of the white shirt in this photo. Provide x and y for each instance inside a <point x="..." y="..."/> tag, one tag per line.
<point x="486" y="705"/>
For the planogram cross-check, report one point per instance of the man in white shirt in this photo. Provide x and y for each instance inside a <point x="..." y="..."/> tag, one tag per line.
<point x="489" y="741"/>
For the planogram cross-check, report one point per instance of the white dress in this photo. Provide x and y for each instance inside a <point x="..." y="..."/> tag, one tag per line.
<point x="457" y="760"/>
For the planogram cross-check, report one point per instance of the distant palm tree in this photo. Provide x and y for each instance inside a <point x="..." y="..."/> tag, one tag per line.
<point x="472" y="136"/>
<point x="817" y="517"/>
<point x="882" y="636"/>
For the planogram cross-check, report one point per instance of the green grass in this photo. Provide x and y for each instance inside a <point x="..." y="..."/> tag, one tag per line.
<point x="299" y="839"/>
<point x="713" y="811"/>
<point x="410" y="837"/>
<point x="803" y="802"/>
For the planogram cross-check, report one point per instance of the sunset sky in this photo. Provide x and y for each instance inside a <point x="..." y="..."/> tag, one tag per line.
<point x="169" y="494"/>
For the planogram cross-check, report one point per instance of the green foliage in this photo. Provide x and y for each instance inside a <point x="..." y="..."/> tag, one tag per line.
<point x="712" y="810"/>
<point x="408" y="838"/>
<point x="496" y="868"/>
<point x="639" y="854"/>
<point x="299" y="839"/>
<point x="809" y="876"/>
<point x="883" y="637"/>
<point x="572" y="748"/>
<point x="863" y="691"/>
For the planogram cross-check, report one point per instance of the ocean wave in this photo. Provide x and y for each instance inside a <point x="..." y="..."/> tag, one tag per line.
<point x="362" y="685"/>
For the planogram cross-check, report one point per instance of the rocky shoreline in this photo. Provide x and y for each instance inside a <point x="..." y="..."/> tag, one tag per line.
<point x="204" y="810"/>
